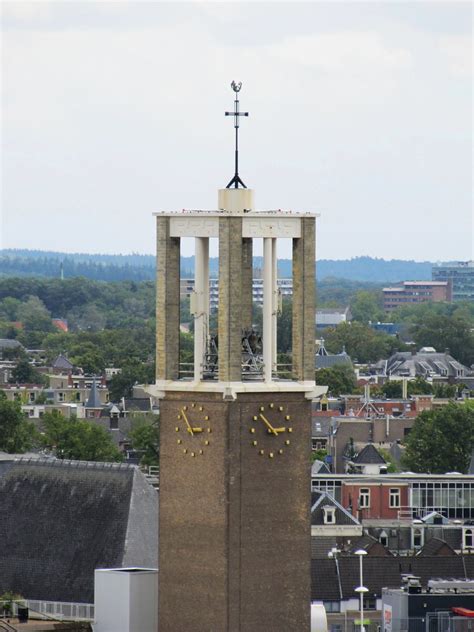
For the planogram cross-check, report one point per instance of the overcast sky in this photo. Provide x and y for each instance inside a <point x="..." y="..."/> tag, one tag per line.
<point x="359" y="111"/>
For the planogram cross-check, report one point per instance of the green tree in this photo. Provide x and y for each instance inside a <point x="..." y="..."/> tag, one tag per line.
<point x="366" y="307"/>
<point x="121" y="385"/>
<point x="284" y="326"/>
<point x="361" y="342"/>
<point x="16" y="434"/>
<point x="441" y="440"/>
<point x="339" y="379"/>
<point x="145" y="437"/>
<point x="25" y="373"/>
<point x="78" y="439"/>
<point x="446" y="332"/>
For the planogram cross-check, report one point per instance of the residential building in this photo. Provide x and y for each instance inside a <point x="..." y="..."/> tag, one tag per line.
<point x="415" y="292"/>
<point x="426" y="363"/>
<point x="401" y="496"/>
<point x="285" y="290"/>
<point x="461" y="276"/>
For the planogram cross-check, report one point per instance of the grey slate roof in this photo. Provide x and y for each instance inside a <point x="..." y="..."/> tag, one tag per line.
<point x="404" y="363"/>
<point x="319" y="500"/>
<point x="368" y="456"/>
<point x="8" y="343"/>
<point x="434" y="546"/>
<point x="330" y="360"/>
<point x="61" y="520"/>
<point x="93" y="400"/>
<point x="381" y="572"/>
<point x="319" y="467"/>
<point x="62" y="362"/>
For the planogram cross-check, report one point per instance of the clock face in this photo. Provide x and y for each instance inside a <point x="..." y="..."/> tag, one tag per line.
<point x="271" y="431"/>
<point x="193" y="430"/>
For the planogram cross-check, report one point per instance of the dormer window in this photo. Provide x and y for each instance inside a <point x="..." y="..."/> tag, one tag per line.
<point x="468" y="538"/>
<point x="329" y="515"/>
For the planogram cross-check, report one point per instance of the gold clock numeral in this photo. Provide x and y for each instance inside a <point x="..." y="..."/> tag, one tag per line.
<point x="290" y="429"/>
<point x="201" y="409"/>
<point x="206" y="418"/>
<point x="177" y="429"/>
<point x="252" y="430"/>
<point x="287" y="442"/>
<point x="280" y="408"/>
<point x="254" y="442"/>
<point x="179" y="442"/>
<point x="255" y="418"/>
<point x="193" y="405"/>
<point x="209" y="430"/>
<point x="287" y="417"/>
<point x="185" y="408"/>
<point x="201" y="452"/>
<point x="179" y="416"/>
<point x="262" y="408"/>
<point x="280" y="451"/>
<point x="192" y="454"/>
<point x="271" y="455"/>
<point x="271" y="405"/>
<point x="206" y="442"/>
<point x="261" y="452"/>
<point x="185" y="451"/>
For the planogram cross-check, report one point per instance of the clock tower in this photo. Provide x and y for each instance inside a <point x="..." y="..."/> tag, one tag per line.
<point x="234" y="522"/>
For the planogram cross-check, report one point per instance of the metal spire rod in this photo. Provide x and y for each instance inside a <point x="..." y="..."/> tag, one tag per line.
<point x="236" y="113"/>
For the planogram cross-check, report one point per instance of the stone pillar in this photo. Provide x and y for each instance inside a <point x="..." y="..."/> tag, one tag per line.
<point x="230" y="299"/>
<point x="304" y="298"/>
<point x="247" y="283"/>
<point x="274" y="304"/>
<point x="167" y="301"/>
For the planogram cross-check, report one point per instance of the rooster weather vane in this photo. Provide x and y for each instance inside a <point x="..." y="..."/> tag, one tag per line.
<point x="236" y="114"/>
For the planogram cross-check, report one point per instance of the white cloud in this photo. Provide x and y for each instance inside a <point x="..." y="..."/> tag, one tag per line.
<point x="346" y="52"/>
<point x="457" y="50"/>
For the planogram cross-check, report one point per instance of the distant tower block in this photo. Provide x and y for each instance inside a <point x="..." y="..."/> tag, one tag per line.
<point x="235" y="436"/>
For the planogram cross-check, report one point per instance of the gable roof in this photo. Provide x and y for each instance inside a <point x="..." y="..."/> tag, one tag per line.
<point x="62" y="362"/>
<point x="80" y="516"/>
<point x="319" y="467"/>
<point x="368" y="456"/>
<point x="436" y="546"/>
<point x="319" y="500"/>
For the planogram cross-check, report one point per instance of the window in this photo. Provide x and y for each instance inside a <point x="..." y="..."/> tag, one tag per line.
<point x="468" y="538"/>
<point x="114" y="423"/>
<point x="364" y="497"/>
<point x="394" y="497"/>
<point x="417" y="538"/>
<point x="329" y="515"/>
<point x="60" y="397"/>
<point x="332" y="606"/>
<point x="32" y="396"/>
<point x="383" y="539"/>
<point x="370" y="603"/>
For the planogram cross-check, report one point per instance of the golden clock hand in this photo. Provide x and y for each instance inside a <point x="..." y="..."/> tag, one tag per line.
<point x="197" y="429"/>
<point x="190" y="430"/>
<point x="270" y="427"/>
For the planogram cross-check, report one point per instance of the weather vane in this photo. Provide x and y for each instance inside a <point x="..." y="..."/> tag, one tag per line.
<point x="236" y="114"/>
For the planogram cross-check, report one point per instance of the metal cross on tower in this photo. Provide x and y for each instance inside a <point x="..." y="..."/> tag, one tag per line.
<point x="236" y="113"/>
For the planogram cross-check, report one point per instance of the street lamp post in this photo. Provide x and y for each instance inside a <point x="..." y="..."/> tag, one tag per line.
<point x="361" y="589"/>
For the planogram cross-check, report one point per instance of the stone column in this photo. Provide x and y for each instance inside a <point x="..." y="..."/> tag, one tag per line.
<point x="247" y="283"/>
<point x="230" y="299"/>
<point x="167" y="301"/>
<point x="201" y="309"/>
<point x="304" y="298"/>
<point x="274" y="303"/>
